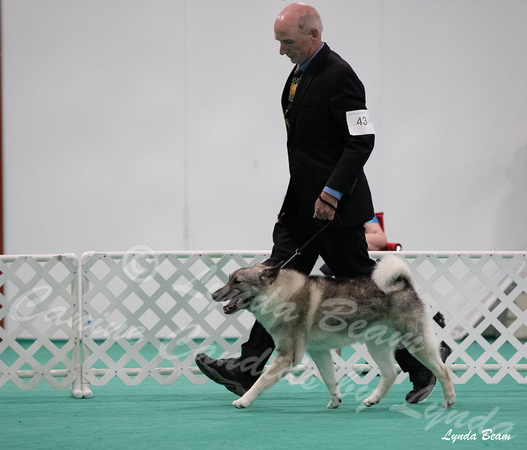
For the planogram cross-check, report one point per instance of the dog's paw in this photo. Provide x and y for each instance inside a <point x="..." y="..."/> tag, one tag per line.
<point x="334" y="403"/>
<point x="447" y="404"/>
<point x="240" y="403"/>
<point x="336" y="399"/>
<point x="372" y="400"/>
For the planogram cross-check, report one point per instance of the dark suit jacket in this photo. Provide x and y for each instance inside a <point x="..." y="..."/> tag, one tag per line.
<point x="321" y="150"/>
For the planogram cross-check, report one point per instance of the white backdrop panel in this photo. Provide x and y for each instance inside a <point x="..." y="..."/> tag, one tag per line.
<point x="161" y="120"/>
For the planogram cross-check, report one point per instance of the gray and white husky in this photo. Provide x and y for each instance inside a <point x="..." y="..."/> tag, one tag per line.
<point x="315" y="314"/>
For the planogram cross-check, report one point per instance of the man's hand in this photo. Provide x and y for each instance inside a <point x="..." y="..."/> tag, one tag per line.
<point x="323" y="211"/>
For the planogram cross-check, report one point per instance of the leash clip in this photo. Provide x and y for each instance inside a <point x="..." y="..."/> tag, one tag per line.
<point x="297" y="252"/>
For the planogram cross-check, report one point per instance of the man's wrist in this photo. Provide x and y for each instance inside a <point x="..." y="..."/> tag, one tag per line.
<point x="332" y="192"/>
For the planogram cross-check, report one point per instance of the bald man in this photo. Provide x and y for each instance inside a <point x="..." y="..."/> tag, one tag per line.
<point x="329" y="139"/>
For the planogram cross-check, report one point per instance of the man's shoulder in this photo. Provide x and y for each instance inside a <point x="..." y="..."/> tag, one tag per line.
<point x="336" y="60"/>
<point x="330" y="59"/>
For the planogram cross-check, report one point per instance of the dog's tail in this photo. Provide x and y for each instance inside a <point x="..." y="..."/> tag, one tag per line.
<point x="391" y="274"/>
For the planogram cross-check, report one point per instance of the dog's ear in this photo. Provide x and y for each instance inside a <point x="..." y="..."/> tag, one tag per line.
<point x="269" y="274"/>
<point x="269" y="262"/>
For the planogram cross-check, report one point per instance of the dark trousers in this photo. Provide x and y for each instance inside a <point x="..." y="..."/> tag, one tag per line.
<point x="344" y="250"/>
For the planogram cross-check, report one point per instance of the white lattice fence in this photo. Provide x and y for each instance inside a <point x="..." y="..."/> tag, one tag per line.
<point x="41" y="322"/>
<point x="145" y="302"/>
<point x="473" y="290"/>
<point x="148" y="314"/>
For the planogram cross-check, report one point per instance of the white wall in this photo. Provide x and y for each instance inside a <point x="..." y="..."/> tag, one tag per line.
<point x="157" y="123"/>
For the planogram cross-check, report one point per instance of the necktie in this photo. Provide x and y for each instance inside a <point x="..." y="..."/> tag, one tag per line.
<point x="297" y="74"/>
<point x="294" y="83"/>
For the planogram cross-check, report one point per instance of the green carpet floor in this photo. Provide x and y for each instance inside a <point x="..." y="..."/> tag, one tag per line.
<point x="187" y="416"/>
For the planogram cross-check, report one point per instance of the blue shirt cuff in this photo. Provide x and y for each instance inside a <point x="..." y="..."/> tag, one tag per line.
<point x="333" y="192"/>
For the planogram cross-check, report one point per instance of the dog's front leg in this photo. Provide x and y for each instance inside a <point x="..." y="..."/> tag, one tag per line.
<point x="280" y="367"/>
<point x="324" y="362"/>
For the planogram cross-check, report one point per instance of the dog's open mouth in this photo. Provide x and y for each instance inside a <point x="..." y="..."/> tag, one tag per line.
<point x="238" y="302"/>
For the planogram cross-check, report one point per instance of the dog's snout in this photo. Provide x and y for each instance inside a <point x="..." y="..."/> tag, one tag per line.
<point x="215" y="295"/>
<point x="220" y="294"/>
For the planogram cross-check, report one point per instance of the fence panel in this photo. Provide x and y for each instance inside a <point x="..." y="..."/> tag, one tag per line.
<point x="479" y="294"/>
<point x="39" y="339"/>
<point x="150" y="313"/>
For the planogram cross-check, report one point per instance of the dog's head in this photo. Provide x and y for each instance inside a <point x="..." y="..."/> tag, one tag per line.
<point x="245" y="285"/>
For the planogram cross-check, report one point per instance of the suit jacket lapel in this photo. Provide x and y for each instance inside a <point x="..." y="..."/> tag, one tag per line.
<point x="307" y="77"/>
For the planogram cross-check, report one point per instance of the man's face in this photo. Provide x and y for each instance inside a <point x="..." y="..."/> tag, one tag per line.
<point x="295" y="44"/>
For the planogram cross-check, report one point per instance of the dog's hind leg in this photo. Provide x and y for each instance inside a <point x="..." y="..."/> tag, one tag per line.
<point x="280" y="367"/>
<point x="324" y="362"/>
<point x="382" y="354"/>
<point x="427" y="352"/>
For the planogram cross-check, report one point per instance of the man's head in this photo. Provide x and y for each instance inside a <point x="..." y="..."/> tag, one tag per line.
<point x="298" y="28"/>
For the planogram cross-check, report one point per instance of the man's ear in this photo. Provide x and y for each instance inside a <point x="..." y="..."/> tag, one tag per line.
<point x="269" y="274"/>
<point x="314" y="33"/>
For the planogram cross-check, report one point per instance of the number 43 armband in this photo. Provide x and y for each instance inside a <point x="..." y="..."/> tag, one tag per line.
<point x="359" y="122"/>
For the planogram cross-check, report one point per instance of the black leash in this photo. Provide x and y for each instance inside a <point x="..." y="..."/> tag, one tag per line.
<point x="299" y="250"/>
